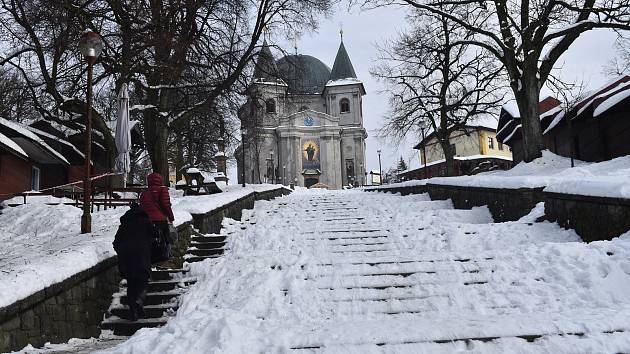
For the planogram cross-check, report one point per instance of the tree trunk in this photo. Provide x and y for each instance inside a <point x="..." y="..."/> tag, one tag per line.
<point x="445" y="143"/>
<point x="527" y="99"/>
<point x="156" y="139"/>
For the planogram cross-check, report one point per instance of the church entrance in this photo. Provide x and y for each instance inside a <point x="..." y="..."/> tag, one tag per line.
<point x="308" y="182"/>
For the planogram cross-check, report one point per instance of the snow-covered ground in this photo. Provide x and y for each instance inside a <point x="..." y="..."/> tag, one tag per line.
<point x="42" y="244"/>
<point x="356" y="272"/>
<point x="604" y="179"/>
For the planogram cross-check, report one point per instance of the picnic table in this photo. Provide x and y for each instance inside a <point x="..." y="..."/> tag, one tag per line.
<point x="197" y="184"/>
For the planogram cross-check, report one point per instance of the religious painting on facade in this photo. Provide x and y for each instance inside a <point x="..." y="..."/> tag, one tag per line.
<point x="350" y="172"/>
<point x="310" y="154"/>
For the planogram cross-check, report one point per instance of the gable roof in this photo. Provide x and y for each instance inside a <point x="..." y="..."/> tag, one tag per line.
<point x="31" y="143"/>
<point x="509" y="126"/>
<point x="12" y="147"/>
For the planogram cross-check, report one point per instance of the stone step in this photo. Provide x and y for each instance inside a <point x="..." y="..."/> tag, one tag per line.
<point x="155" y="298"/>
<point x="155" y="286"/>
<point x="165" y="285"/>
<point x="122" y="327"/>
<point x="206" y="252"/>
<point x="192" y="259"/>
<point x="206" y="245"/>
<point x="151" y="311"/>
<point x="166" y="274"/>
<point x="214" y="238"/>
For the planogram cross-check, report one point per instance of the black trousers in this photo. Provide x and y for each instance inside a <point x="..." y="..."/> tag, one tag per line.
<point x="137" y="290"/>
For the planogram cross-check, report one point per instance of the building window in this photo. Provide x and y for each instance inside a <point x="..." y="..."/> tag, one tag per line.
<point x="35" y="178"/>
<point x="344" y="105"/>
<point x="453" y="150"/>
<point x="490" y="143"/>
<point x="270" y="104"/>
<point x="500" y="144"/>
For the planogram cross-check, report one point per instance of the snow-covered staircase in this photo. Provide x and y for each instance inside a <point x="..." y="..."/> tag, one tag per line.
<point x="164" y="289"/>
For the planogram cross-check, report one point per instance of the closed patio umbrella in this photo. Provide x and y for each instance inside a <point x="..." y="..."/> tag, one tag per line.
<point x="123" y="134"/>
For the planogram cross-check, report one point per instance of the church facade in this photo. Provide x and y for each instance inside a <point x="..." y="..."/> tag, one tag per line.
<point x="303" y="122"/>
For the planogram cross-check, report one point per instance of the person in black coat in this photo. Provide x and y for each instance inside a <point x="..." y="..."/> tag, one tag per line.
<point x="133" y="246"/>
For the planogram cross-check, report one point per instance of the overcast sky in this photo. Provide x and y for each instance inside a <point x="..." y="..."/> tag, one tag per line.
<point x="363" y="29"/>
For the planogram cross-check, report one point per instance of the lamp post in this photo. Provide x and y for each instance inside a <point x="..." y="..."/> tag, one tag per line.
<point x="243" y="133"/>
<point x="380" y="168"/>
<point x="362" y="180"/>
<point x="284" y="174"/>
<point x="273" y="169"/>
<point x="90" y="46"/>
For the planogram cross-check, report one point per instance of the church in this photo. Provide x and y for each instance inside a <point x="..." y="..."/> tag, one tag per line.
<point x="302" y="122"/>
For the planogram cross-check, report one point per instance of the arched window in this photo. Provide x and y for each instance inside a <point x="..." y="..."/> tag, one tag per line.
<point x="344" y="105"/>
<point x="270" y="105"/>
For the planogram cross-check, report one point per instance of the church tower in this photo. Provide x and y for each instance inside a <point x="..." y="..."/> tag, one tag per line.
<point x="344" y="99"/>
<point x="268" y="90"/>
<point x="266" y="103"/>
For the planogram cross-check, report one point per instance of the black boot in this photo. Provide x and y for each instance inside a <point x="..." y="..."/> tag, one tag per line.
<point x="133" y="311"/>
<point x="140" y="310"/>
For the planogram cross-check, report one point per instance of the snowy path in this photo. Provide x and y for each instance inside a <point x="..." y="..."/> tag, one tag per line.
<point x="349" y="271"/>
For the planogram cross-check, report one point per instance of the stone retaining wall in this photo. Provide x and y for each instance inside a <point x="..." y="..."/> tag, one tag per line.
<point x="592" y="218"/>
<point x="504" y="204"/>
<point x="74" y="308"/>
<point x="211" y="221"/>
<point x="71" y="308"/>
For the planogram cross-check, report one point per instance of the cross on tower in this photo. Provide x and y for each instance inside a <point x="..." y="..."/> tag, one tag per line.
<point x="341" y="30"/>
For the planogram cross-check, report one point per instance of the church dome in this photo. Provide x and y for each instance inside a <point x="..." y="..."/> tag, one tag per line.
<point x="304" y="74"/>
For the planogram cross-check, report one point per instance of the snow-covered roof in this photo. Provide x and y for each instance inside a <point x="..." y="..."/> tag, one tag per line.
<point x="342" y="82"/>
<point x="611" y="102"/>
<point x="509" y="119"/>
<point x="22" y="130"/>
<point x="6" y="141"/>
<point x="56" y="138"/>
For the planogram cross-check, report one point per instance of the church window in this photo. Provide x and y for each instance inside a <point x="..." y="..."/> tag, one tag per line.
<point x="344" y="105"/>
<point x="270" y="105"/>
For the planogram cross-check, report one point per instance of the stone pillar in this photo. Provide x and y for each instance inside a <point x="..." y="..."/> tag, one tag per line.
<point x="220" y="161"/>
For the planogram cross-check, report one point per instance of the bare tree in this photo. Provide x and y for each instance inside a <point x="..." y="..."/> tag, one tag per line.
<point x="527" y="37"/>
<point x="620" y="65"/>
<point x="179" y="57"/>
<point x="437" y="83"/>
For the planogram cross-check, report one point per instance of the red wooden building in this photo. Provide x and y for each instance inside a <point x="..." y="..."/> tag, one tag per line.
<point x="596" y="128"/>
<point x="27" y="162"/>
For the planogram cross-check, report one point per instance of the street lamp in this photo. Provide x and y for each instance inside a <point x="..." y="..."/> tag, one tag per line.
<point x="380" y="169"/>
<point x="362" y="180"/>
<point x="90" y="45"/>
<point x="284" y="174"/>
<point x="243" y="133"/>
<point x="273" y="169"/>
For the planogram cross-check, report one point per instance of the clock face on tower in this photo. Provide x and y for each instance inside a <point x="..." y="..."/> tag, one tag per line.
<point x="309" y="121"/>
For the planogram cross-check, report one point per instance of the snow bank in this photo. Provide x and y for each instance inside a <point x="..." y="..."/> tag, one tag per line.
<point x="42" y="244"/>
<point x="554" y="173"/>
